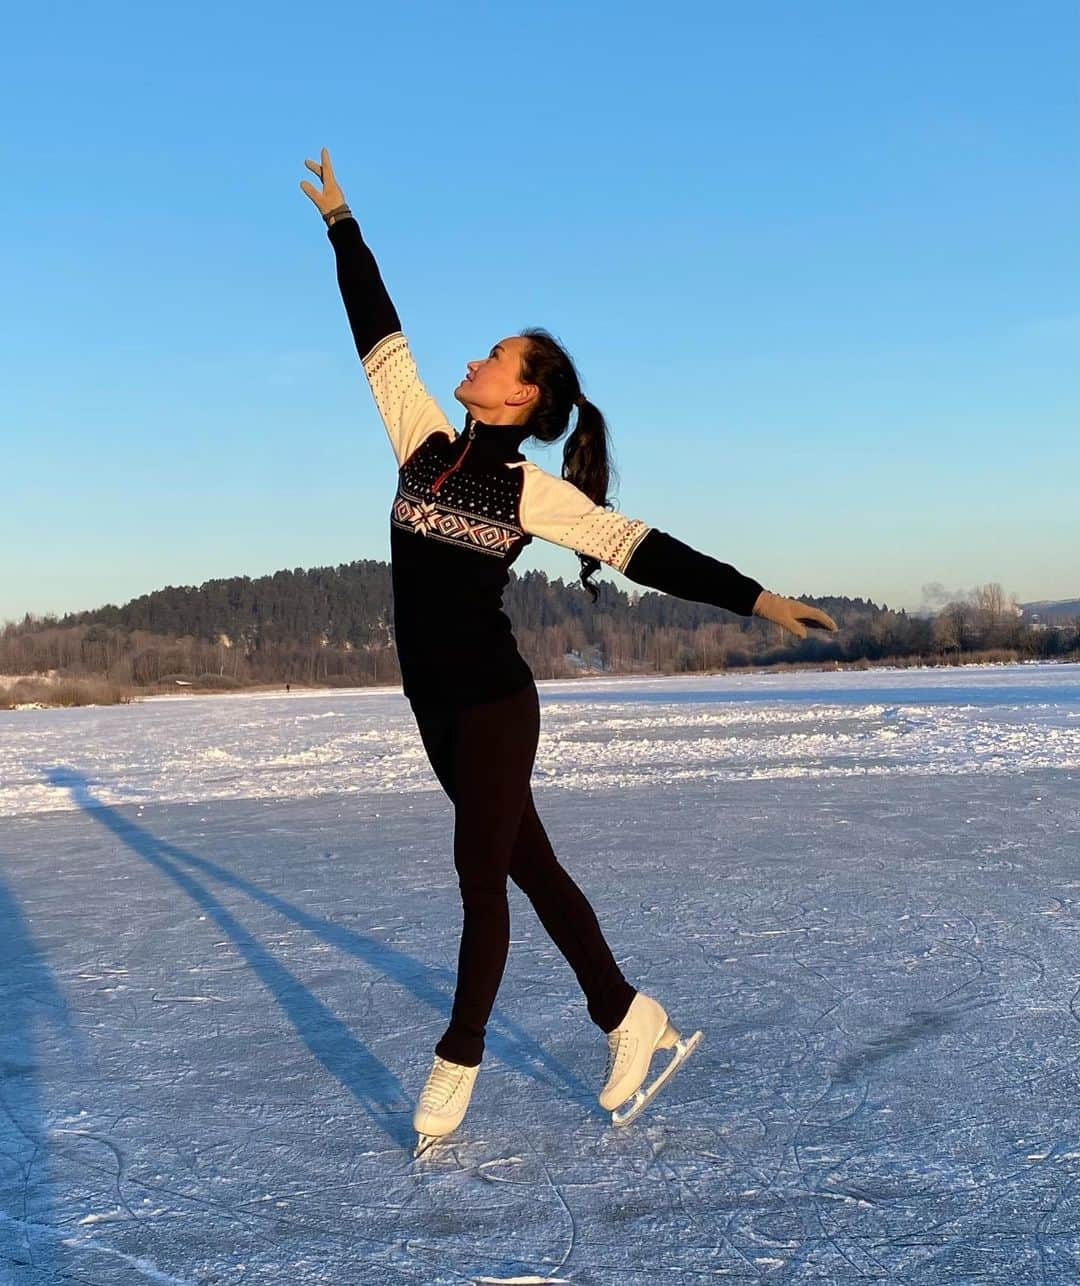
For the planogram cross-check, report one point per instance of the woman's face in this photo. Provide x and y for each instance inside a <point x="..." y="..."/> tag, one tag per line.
<point x="492" y="390"/>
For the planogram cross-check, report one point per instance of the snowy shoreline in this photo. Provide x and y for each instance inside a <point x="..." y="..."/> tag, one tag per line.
<point x="182" y="693"/>
<point x="618" y="732"/>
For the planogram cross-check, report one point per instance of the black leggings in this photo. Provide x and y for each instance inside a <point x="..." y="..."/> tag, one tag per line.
<point x="483" y="757"/>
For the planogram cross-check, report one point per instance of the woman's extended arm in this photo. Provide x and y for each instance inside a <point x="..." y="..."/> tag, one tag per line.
<point x="556" y="510"/>
<point x="408" y="411"/>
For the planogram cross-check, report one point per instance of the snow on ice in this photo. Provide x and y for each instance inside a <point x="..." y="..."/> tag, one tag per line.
<point x="228" y="931"/>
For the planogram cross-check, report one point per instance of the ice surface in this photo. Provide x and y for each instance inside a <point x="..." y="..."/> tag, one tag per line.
<point x="228" y="928"/>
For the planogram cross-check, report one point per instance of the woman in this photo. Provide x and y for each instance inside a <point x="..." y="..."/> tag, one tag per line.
<point x="466" y="506"/>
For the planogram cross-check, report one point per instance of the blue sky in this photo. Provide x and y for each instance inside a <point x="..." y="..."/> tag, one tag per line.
<point x="817" y="265"/>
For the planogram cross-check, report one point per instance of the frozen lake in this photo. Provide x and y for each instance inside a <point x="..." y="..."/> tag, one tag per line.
<point x="227" y="933"/>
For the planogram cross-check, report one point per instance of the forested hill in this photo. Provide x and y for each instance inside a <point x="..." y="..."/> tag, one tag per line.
<point x="1062" y="609"/>
<point x="335" y="625"/>
<point x="353" y="604"/>
<point x="349" y="604"/>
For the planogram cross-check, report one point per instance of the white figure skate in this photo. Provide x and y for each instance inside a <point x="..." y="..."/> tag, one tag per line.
<point x="631" y="1046"/>
<point x="442" y="1103"/>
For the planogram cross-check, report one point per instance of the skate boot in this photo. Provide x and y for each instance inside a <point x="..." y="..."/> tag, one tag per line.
<point x="443" y="1102"/>
<point x="643" y="1031"/>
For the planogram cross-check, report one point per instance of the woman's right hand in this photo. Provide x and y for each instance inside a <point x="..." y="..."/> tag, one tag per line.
<point x="331" y="195"/>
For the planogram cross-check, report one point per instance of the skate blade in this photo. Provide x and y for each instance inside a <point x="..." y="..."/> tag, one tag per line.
<point x="424" y="1142"/>
<point x="642" y="1098"/>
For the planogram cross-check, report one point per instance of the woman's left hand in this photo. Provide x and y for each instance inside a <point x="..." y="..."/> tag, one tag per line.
<point x="791" y="614"/>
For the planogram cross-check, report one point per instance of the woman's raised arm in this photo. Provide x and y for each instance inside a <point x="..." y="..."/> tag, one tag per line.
<point x="556" y="510"/>
<point x="408" y="411"/>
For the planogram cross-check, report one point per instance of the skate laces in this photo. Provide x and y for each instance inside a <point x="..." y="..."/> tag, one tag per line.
<point x="445" y="1081"/>
<point x="618" y="1047"/>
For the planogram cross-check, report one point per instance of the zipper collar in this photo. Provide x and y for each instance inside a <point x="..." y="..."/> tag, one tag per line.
<point x="499" y="440"/>
<point x="487" y="442"/>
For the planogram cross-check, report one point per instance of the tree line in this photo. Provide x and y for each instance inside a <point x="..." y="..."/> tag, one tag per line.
<point x="334" y="625"/>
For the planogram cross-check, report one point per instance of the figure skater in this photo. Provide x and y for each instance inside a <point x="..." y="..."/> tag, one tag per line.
<point x="466" y="505"/>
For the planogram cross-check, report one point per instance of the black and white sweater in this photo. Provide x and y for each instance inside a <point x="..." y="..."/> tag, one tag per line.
<point x="466" y="506"/>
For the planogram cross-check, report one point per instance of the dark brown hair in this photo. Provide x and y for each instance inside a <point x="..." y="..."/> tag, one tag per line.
<point x="587" y="454"/>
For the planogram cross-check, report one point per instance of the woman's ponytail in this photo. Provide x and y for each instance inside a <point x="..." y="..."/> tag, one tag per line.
<point x="586" y="454"/>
